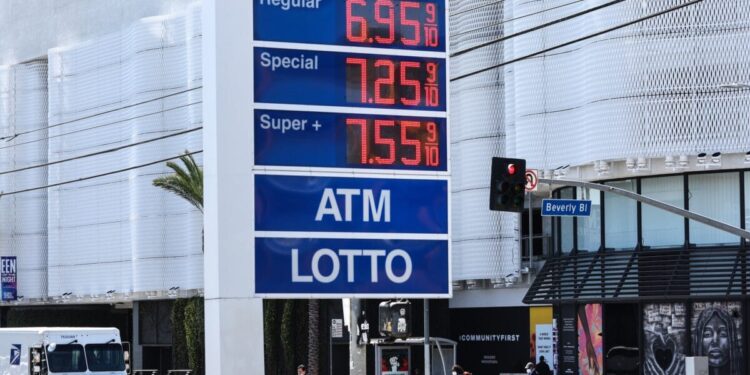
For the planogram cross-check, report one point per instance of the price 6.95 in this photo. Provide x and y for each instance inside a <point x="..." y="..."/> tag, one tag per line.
<point x="388" y="22"/>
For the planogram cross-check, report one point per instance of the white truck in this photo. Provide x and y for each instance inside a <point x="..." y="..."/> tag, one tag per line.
<point x="46" y="351"/>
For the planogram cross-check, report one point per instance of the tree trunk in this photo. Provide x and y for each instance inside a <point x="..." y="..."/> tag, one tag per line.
<point x="313" y="337"/>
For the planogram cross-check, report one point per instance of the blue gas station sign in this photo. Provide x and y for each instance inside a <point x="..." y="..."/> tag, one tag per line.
<point x="350" y="144"/>
<point x="334" y="140"/>
<point x="346" y="204"/>
<point x="414" y="25"/>
<point x="306" y="266"/>
<point x="293" y="76"/>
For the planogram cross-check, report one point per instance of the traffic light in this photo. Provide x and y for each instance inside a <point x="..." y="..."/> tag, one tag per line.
<point x="508" y="184"/>
<point x="394" y="319"/>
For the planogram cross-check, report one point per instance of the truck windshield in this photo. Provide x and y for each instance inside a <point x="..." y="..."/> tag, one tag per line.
<point x="66" y="358"/>
<point x="105" y="357"/>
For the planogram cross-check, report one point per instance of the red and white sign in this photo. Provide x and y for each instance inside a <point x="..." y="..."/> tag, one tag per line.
<point x="532" y="179"/>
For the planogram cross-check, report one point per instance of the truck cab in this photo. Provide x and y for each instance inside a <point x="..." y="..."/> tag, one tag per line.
<point x="63" y="351"/>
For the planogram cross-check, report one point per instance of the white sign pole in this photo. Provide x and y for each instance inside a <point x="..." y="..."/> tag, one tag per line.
<point x="234" y="320"/>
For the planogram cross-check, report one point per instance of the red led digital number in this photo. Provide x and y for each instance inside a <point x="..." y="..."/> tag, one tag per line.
<point x="386" y="80"/>
<point x="412" y="24"/>
<point x="387" y="88"/>
<point x="360" y="34"/>
<point x="362" y="123"/>
<point x="405" y="125"/>
<point x="379" y="140"/>
<point x="387" y="24"/>
<point x="405" y="142"/>
<point x="389" y="20"/>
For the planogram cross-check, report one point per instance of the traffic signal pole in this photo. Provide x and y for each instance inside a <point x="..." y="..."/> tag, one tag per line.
<point x="652" y="202"/>
<point x="427" y="363"/>
<point x="531" y="233"/>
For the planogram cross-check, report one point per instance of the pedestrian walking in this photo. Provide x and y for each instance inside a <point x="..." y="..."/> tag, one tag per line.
<point x="530" y="369"/>
<point x="542" y="368"/>
<point x="458" y="370"/>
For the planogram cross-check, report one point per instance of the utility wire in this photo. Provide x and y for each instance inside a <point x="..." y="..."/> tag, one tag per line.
<point x="576" y="40"/>
<point x="515" y="18"/>
<point x="535" y="28"/>
<point x="476" y="8"/>
<point x="107" y="151"/>
<point x="9" y="137"/>
<point x="100" y="125"/>
<point x="2" y="194"/>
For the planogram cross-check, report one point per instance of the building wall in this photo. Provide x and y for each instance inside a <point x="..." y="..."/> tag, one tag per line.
<point x="484" y="242"/>
<point x="107" y="79"/>
<point x="651" y="91"/>
<point x="31" y="27"/>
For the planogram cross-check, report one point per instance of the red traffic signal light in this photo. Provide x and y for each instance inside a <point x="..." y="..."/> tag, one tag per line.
<point x="507" y="185"/>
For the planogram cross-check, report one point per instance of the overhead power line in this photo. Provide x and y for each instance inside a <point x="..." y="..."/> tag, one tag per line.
<point x="477" y="8"/>
<point x="535" y="28"/>
<point x="101" y="125"/>
<point x="2" y="194"/>
<point x="514" y="18"/>
<point x="9" y="137"/>
<point x="102" y="152"/>
<point x="576" y="40"/>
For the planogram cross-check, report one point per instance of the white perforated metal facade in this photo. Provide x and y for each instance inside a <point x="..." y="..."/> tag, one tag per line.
<point x="650" y="90"/>
<point x="485" y="243"/>
<point x="117" y="233"/>
<point x="630" y="102"/>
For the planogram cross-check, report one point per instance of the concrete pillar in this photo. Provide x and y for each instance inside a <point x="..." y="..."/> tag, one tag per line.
<point x="234" y="320"/>
<point x="136" y="349"/>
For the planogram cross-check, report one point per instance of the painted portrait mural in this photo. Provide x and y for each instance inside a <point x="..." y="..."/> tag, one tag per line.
<point x="590" y="348"/>
<point x="717" y="334"/>
<point x="665" y="338"/>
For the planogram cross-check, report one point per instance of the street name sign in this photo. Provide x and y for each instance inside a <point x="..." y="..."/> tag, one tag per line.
<point x="566" y="207"/>
<point x="350" y="143"/>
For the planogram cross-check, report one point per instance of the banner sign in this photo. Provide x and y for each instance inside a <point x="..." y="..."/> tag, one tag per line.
<point x="345" y="204"/>
<point x="308" y="266"/>
<point x="8" y="276"/>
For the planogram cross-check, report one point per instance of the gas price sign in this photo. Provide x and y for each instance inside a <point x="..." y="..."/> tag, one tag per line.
<point x="345" y="79"/>
<point x="349" y="140"/>
<point x="404" y="24"/>
<point x="350" y="144"/>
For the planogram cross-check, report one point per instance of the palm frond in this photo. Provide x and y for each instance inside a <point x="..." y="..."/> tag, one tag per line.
<point x="185" y="182"/>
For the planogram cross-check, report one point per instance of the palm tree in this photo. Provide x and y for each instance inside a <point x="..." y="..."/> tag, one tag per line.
<point x="186" y="183"/>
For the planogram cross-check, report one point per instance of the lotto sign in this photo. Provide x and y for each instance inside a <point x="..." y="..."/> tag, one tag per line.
<point x="350" y="145"/>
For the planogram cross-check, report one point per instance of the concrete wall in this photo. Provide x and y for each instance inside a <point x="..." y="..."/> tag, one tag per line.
<point x="31" y="27"/>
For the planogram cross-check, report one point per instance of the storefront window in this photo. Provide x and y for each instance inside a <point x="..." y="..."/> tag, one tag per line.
<point x="566" y="224"/>
<point x="589" y="228"/>
<point x="620" y="218"/>
<point x="717" y="196"/>
<point x="661" y="228"/>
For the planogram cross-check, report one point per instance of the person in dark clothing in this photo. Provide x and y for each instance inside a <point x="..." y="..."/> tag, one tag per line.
<point x="542" y="368"/>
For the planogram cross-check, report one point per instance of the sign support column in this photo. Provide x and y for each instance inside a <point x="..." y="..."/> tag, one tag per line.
<point x="233" y="319"/>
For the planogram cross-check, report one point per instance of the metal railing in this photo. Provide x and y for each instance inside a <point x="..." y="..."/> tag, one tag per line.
<point x="145" y="372"/>
<point x="721" y="272"/>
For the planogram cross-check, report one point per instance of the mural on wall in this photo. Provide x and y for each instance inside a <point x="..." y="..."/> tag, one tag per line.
<point x="590" y="346"/>
<point x="664" y="339"/>
<point x="717" y="334"/>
